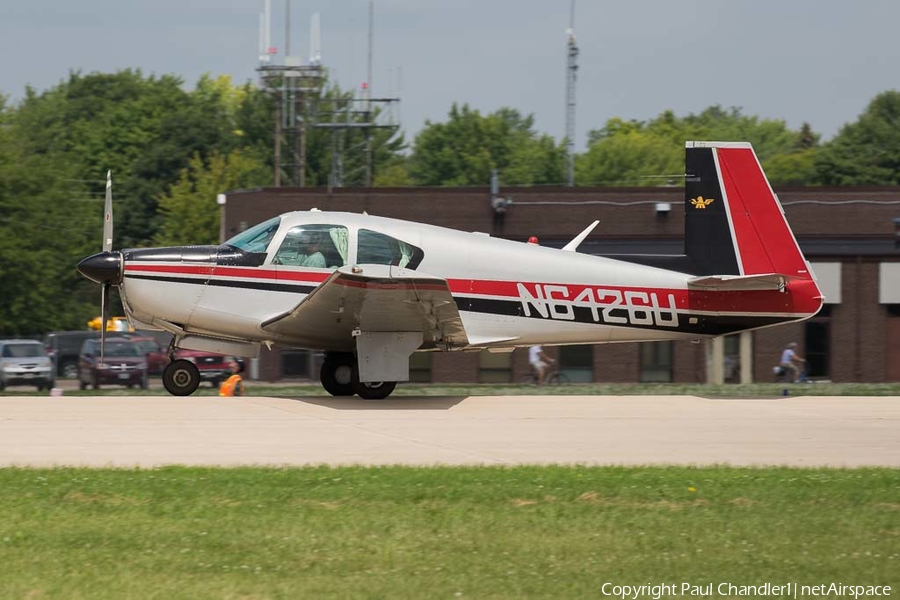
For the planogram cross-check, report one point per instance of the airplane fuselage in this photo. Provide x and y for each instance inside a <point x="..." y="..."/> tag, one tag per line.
<point x="507" y="293"/>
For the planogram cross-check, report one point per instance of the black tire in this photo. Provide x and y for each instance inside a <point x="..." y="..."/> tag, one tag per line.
<point x="336" y="374"/>
<point x="557" y="379"/>
<point x="373" y="390"/>
<point x="528" y="379"/>
<point x="181" y="378"/>
<point x="376" y="390"/>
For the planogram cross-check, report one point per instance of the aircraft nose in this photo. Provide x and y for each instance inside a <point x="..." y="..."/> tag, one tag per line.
<point x="103" y="267"/>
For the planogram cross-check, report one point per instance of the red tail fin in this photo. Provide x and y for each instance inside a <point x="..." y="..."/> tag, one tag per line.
<point x="763" y="240"/>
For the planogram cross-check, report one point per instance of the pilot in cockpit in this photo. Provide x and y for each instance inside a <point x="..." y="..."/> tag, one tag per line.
<point x="311" y="254"/>
<point x="303" y="250"/>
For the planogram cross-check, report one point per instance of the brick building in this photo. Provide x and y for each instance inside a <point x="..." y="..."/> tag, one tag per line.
<point x="850" y="235"/>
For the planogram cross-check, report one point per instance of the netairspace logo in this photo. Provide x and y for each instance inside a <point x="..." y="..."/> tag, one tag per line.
<point x="791" y="590"/>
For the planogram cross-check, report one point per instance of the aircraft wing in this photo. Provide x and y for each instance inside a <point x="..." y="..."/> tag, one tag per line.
<point x="373" y="298"/>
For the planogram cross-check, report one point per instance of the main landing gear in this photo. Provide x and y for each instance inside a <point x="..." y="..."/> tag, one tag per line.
<point x="340" y="377"/>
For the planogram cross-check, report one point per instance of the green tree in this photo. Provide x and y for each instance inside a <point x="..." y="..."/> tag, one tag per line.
<point x="44" y="220"/>
<point x="145" y="129"/>
<point x="630" y="157"/>
<point x="866" y="152"/>
<point x="468" y="146"/>
<point x="190" y="211"/>
<point x="393" y="175"/>
<point x="794" y="168"/>
<point x="648" y="153"/>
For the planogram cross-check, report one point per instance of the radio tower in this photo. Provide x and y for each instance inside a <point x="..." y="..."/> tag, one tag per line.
<point x="571" y="72"/>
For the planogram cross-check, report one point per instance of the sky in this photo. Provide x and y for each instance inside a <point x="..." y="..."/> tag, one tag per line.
<point x="815" y="61"/>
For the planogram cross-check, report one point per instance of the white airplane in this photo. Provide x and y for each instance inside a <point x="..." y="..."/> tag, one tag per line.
<point x="370" y="291"/>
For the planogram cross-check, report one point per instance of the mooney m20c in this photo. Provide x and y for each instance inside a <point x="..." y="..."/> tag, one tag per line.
<point x="370" y="291"/>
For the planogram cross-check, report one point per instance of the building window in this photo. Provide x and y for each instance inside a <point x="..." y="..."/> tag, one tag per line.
<point x="577" y="363"/>
<point x="420" y="367"/>
<point x="295" y="363"/>
<point x="656" y="362"/>
<point x="817" y="343"/>
<point x="732" y="367"/>
<point x="494" y="367"/>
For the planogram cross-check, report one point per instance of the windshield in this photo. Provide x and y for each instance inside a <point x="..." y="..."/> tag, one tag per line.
<point x="115" y="349"/>
<point x="257" y="238"/>
<point x="146" y="346"/>
<point x="22" y="350"/>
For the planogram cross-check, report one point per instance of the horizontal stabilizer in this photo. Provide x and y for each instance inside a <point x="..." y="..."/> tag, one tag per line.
<point x="768" y="281"/>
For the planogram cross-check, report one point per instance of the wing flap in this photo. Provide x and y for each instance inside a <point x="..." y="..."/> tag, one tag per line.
<point x="373" y="298"/>
<point x="767" y="281"/>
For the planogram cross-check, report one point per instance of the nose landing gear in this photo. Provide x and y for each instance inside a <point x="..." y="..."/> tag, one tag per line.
<point x="181" y="378"/>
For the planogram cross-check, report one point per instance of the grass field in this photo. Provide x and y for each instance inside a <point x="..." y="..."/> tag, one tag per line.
<point x="401" y="532"/>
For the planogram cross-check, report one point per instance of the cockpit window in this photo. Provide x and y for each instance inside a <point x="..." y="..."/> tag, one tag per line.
<point x="380" y="249"/>
<point x="315" y="246"/>
<point x="257" y="238"/>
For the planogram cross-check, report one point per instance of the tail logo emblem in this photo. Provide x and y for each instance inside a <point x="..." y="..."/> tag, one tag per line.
<point x="701" y="202"/>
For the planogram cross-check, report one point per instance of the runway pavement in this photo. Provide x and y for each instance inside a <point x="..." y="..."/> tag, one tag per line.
<point x="603" y="430"/>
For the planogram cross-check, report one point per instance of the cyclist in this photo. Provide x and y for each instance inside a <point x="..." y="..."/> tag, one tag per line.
<point x="540" y="363"/>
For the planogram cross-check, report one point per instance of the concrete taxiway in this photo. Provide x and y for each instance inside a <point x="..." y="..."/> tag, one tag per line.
<point x="597" y="430"/>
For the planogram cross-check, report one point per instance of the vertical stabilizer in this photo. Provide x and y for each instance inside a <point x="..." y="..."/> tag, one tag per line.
<point x="734" y="223"/>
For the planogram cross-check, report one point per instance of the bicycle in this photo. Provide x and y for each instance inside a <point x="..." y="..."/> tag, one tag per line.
<point x="783" y="375"/>
<point x="554" y="377"/>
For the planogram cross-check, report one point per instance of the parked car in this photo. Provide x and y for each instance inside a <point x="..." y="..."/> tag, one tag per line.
<point x="155" y="354"/>
<point x="63" y="348"/>
<point x="25" y="362"/>
<point x="213" y="367"/>
<point x="123" y="364"/>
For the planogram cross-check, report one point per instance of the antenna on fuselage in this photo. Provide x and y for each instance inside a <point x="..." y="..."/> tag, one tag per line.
<point x="573" y="245"/>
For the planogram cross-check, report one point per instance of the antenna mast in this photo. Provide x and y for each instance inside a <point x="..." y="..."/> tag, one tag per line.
<point x="571" y="73"/>
<point x="296" y="90"/>
<point x="368" y="97"/>
<point x="315" y="44"/>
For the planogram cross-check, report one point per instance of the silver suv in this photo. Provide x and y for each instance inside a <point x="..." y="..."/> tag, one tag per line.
<point x="25" y="362"/>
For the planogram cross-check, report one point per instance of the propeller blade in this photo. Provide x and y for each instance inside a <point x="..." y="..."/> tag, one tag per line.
<point x="104" y="309"/>
<point x="108" y="215"/>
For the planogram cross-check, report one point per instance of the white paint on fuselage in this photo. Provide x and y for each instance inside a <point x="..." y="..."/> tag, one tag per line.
<point x="236" y="312"/>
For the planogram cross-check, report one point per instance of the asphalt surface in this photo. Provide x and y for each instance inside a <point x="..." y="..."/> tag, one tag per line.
<point x="603" y="430"/>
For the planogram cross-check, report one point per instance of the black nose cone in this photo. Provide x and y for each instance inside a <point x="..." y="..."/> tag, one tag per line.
<point x="104" y="267"/>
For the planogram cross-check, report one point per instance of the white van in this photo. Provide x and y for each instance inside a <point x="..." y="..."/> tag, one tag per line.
<point x="25" y="362"/>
